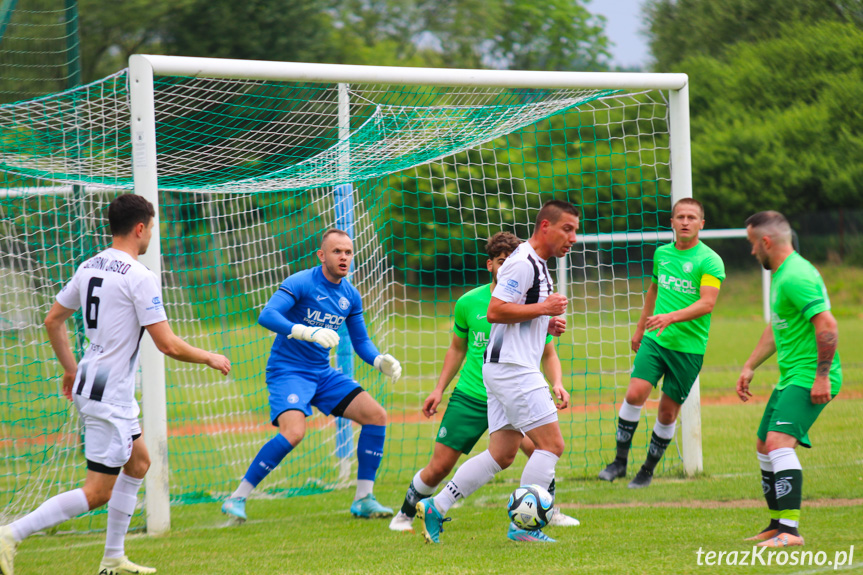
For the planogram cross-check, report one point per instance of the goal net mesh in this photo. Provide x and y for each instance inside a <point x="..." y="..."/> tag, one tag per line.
<point x="250" y="174"/>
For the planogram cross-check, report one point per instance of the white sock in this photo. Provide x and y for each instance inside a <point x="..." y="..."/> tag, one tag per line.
<point x="784" y="458"/>
<point x="473" y="474"/>
<point x="364" y="487"/>
<point x="664" y="431"/>
<point x="539" y="469"/>
<point x="243" y="491"/>
<point x="421" y="487"/>
<point x="121" y="507"/>
<point x="53" y="512"/>
<point x="629" y="412"/>
<point x="764" y="462"/>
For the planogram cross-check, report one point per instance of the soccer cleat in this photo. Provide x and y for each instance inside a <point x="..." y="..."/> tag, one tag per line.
<point x="768" y="533"/>
<point x="560" y="519"/>
<point x="642" y="479"/>
<point x="402" y="522"/>
<point x="614" y="470"/>
<point x="535" y="536"/>
<point x="8" y="547"/>
<point x="783" y="540"/>
<point x="235" y="507"/>
<point x="432" y="520"/>
<point x="122" y="566"/>
<point x="369" y="508"/>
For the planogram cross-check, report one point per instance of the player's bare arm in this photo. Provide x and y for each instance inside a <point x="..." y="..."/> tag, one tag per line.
<point x="55" y="324"/>
<point x="174" y="347"/>
<point x="500" y="311"/>
<point x="554" y="373"/>
<point x="826" y="340"/>
<point x="452" y="362"/>
<point x="703" y="306"/>
<point x="765" y="347"/>
<point x="646" y="312"/>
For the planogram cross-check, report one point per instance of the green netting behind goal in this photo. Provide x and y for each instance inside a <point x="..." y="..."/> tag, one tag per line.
<point x="250" y="174"/>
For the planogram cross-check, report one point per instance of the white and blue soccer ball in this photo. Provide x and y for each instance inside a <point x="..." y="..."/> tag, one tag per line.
<point x="530" y="507"/>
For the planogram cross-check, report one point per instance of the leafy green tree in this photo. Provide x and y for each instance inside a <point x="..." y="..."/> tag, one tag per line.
<point x="777" y="124"/>
<point x="681" y="29"/>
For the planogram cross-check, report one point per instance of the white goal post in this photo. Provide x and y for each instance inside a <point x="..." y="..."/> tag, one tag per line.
<point x="143" y="69"/>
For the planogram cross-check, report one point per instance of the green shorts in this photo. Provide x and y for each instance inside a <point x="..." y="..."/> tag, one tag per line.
<point x="790" y="411"/>
<point x="677" y="369"/>
<point x="464" y="422"/>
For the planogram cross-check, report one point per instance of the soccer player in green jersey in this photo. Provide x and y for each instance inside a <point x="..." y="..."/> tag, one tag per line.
<point x="803" y="333"/>
<point x="670" y="338"/>
<point x="466" y="417"/>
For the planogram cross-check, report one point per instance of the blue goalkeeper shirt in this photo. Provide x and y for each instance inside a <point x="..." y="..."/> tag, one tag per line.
<point x="309" y="298"/>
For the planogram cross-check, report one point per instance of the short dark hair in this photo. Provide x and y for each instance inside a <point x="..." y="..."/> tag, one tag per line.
<point x="127" y="211"/>
<point x="552" y="210"/>
<point x="772" y="224"/>
<point x="767" y="218"/>
<point x="501" y="243"/>
<point x="688" y="202"/>
<point x="333" y="232"/>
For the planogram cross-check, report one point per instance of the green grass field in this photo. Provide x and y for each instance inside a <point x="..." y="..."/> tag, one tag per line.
<point x="653" y="531"/>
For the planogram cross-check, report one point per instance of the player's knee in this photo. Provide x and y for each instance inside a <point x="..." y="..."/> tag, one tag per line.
<point x="96" y="497"/>
<point x="293" y="435"/>
<point x="138" y="467"/>
<point x="376" y="416"/>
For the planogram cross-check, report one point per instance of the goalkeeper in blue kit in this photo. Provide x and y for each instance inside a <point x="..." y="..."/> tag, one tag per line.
<point x="305" y="313"/>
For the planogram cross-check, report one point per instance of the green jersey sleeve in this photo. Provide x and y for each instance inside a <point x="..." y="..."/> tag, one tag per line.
<point x="459" y="324"/>
<point x="807" y="293"/>
<point x="714" y="266"/>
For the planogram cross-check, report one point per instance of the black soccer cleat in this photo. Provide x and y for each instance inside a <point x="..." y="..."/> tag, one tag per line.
<point x="641" y="479"/>
<point x="614" y="470"/>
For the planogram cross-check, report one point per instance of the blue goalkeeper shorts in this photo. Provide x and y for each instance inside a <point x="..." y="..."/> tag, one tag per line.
<point x="327" y="389"/>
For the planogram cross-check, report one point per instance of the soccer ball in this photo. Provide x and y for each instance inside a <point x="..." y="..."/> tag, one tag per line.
<point x="530" y="507"/>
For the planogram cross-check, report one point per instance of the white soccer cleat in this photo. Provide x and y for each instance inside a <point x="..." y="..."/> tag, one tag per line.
<point x="560" y="519"/>
<point x="402" y="522"/>
<point x="8" y="547"/>
<point x="122" y="566"/>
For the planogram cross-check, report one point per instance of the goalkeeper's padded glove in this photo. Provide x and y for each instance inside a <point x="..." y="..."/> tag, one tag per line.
<point x="388" y="365"/>
<point x="326" y="338"/>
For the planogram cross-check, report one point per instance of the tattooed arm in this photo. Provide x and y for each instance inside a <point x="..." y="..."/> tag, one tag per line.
<point x="826" y="338"/>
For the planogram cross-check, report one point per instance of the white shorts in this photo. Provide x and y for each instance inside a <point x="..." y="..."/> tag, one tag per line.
<point x="518" y="397"/>
<point x="108" y="431"/>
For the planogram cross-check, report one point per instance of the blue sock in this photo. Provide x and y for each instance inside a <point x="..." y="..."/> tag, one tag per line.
<point x="370" y="450"/>
<point x="270" y="455"/>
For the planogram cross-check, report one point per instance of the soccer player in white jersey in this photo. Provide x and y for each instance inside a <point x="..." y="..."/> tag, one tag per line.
<point x="120" y="298"/>
<point x="519" y="402"/>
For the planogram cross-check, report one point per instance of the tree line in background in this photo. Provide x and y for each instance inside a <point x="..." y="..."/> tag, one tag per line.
<point x="775" y="86"/>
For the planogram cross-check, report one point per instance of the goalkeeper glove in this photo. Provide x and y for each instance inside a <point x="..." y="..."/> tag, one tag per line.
<point x="388" y="365"/>
<point x="326" y="338"/>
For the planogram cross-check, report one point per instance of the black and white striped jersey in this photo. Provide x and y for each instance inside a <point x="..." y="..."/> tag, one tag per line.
<point x="119" y="296"/>
<point x="522" y="279"/>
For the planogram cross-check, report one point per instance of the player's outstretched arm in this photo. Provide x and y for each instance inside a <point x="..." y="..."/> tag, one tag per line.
<point x="765" y="347"/>
<point x="363" y="346"/>
<point x="173" y="346"/>
<point x="452" y="362"/>
<point x="554" y="373"/>
<point x="646" y="312"/>
<point x="55" y="324"/>
<point x="703" y="306"/>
